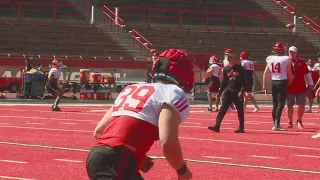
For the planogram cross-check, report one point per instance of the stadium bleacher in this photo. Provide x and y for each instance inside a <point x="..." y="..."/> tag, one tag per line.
<point x="199" y="27"/>
<point x="37" y="9"/>
<point x="47" y="38"/>
<point x="218" y="13"/>
<point x="258" y="44"/>
<point x="57" y="39"/>
<point x="220" y="5"/>
<point x="307" y="7"/>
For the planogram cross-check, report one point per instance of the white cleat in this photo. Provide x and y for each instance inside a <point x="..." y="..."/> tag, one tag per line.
<point x="256" y="109"/>
<point x="279" y="128"/>
<point x="309" y="111"/>
<point x="316" y="136"/>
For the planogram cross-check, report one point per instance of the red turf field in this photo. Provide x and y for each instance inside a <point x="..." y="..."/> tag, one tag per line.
<point x="36" y="143"/>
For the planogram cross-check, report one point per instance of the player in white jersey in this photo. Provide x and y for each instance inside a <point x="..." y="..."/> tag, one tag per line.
<point x="317" y="86"/>
<point x="141" y="115"/>
<point x="249" y="68"/>
<point x="225" y="60"/>
<point x="53" y="86"/>
<point x="213" y="74"/>
<point x="315" y="76"/>
<point x="317" y="65"/>
<point x="279" y="68"/>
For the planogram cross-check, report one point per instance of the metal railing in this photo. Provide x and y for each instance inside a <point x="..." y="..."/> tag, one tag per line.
<point x="286" y="9"/>
<point x="136" y="36"/>
<point x="311" y="25"/>
<point x="196" y="19"/>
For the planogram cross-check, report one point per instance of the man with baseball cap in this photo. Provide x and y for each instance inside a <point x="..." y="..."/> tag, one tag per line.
<point x="297" y="91"/>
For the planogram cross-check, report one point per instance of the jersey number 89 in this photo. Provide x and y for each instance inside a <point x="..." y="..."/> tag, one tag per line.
<point x="133" y="98"/>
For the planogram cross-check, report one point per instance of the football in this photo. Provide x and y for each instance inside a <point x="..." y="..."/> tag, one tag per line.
<point x="290" y="26"/>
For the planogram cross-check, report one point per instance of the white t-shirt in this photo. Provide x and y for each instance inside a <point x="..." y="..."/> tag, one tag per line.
<point x="216" y="70"/>
<point x="144" y="101"/>
<point x="278" y="66"/>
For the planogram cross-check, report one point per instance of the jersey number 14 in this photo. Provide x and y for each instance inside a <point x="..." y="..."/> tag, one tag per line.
<point x="276" y="68"/>
<point x="133" y="98"/>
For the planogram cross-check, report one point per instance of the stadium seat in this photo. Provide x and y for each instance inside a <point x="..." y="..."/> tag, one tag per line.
<point x="306" y="7"/>
<point x="59" y="40"/>
<point x="259" y="45"/>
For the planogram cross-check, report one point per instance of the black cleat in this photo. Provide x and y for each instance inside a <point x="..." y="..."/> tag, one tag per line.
<point x="239" y="130"/>
<point x="214" y="128"/>
<point x="55" y="108"/>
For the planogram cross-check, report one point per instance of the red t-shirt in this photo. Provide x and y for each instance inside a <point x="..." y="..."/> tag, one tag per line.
<point x="299" y="70"/>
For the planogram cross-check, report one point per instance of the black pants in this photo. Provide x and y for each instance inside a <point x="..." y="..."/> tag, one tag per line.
<point x="107" y="163"/>
<point x="279" y="97"/>
<point x="227" y="99"/>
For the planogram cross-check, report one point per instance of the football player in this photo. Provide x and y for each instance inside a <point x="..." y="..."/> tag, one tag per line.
<point x="249" y="68"/>
<point x="232" y="90"/>
<point x="213" y="73"/>
<point x="141" y="115"/>
<point x="53" y="86"/>
<point x="225" y="64"/>
<point x="279" y="68"/>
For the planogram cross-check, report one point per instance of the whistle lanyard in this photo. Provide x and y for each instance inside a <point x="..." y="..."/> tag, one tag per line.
<point x="293" y="69"/>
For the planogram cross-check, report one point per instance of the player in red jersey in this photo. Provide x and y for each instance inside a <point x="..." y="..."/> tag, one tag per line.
<point x="141" y="115"/>
<point x="297" y="91"/>
<point x="279" y="68"/>
<point x="213" y="74"/>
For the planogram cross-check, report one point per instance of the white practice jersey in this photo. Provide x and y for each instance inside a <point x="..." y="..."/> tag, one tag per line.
<point x="55" y="72"/>
<point x="144" y="101"/>
<point x="278" y="66"/>
<point x="316" y="66"/>
<point x="248" y="65"/>
<point x="216" y="70"/>
<point x="225" y="62"/>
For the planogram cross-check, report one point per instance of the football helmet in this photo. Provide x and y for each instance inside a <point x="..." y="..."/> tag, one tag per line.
<point x="174" y="66"/>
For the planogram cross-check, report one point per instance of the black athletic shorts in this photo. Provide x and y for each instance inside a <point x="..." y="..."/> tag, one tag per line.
<point x="108" y="163"/>
<point x="214" y="84"/>
<point x="249" y="84"/>
<point x="52" y="88"/>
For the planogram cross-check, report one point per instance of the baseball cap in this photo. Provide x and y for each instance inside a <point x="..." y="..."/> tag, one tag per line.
<point x="293" y="48"/>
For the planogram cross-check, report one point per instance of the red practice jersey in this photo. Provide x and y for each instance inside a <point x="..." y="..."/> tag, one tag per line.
<point x="135" y="115"/>
<point x="299" y="70"/>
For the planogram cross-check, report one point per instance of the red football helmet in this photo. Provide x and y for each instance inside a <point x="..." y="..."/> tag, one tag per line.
<point x="176" y="67"/>
<point x="228" y="51"/>
<point x="279" y="48"/>
<point x="214" y="59"/>
<point x="244" y="55"/>
<point x="55" y="63"/>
